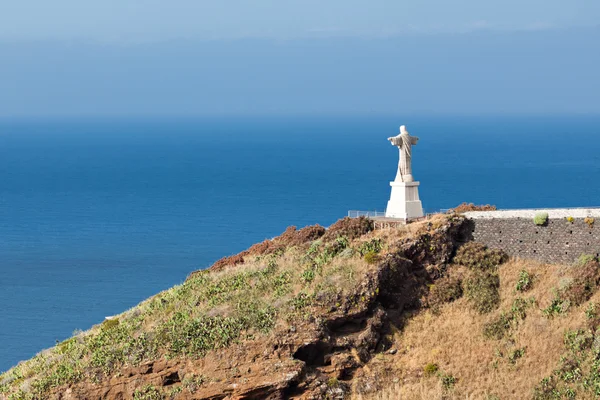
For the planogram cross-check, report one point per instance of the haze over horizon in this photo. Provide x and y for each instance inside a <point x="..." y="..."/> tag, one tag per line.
<point x="118" y="58"/>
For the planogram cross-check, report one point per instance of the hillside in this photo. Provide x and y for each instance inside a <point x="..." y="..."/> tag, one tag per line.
<point x="343" y="313"/>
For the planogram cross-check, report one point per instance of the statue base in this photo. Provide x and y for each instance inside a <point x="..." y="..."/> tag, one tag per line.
<point x="404" y="201"/>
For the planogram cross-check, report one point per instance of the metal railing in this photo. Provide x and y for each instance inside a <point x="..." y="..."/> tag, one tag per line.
<point x="372" y="214"/>
<point x="368" y="214"/>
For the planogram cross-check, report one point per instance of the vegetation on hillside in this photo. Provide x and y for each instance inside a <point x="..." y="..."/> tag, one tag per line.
<point x="408" y="312"/>
<point x="279" y="282"/>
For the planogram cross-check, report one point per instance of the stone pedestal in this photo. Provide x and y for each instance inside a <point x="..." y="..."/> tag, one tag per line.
<point x="404" y="201"/>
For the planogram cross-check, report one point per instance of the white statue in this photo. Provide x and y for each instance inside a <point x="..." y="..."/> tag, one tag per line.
<point x="404" y="141"/>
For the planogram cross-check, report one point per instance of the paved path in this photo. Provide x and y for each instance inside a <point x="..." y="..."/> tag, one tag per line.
<point x="553" y="213"/>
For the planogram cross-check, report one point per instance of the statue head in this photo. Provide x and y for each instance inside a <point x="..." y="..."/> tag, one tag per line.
<point x="403" y="129"/>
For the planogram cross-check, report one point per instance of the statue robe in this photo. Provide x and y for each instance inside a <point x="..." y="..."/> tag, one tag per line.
<point x="404" y="142"/>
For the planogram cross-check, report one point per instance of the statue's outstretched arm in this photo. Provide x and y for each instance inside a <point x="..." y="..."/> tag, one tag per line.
<point x="394" y="140"/>
<point x="414" y="139"/>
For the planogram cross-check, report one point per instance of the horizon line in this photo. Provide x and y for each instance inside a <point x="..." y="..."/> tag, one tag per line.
<point x="349" y="115"/>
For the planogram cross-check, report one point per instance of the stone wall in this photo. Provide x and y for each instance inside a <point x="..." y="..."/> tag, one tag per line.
<point x="558" y="242"/>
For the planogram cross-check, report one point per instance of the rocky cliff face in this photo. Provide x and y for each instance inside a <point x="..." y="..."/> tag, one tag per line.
<point x="312" y="309"/>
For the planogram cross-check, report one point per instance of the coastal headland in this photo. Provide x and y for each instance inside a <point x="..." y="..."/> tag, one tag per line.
<point x="434" y="308"/>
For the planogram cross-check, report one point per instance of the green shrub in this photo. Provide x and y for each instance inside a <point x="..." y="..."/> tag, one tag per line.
<point x="333" y="382"/>
<point x="372" y="246"/>
<point x="174" y="391"/>
<point x="148" y="392"/>
<point x="578" y="340"/>
<point x="475" y="255"/>
<point x="557" y="306"/>
<point x="308" y="275"/>
<point x="430" y="369"/>
<point x="590" y="311"/>
<point x="372" y="257"/>
<point x="301" y="301"/>
<point x="21" y="395"/>
<point x="110" y="323"/>
<point x="341" y="243"/>
<point x="445" y="290"/>
<point x="330" y="251"/>
<point x="518" y="308"/>
<point x="591" y="316"/>
<point x="514" y="355"/>
<point x="525" y="281"/>
<point x="569" y="369"/>
<point x="496" y="329"/>
<point x="481" y="288"/>
<point x="547" y="389"/>
<point x="541" y="218"/>
<point x="281" y="284"/>
<point x="448" y="381"/>
<point x="193" y="383"/>
<point x="570" y="219"/>
<point x="347" y="253"/>
<point x="314" y="248"/>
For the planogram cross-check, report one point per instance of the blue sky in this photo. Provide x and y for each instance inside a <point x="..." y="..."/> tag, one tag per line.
<point x="198" y="57"/>
<point x="120" y="21"/>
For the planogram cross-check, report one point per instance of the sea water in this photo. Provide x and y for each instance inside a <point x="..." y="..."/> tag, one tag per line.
<point x="98" y="214"/>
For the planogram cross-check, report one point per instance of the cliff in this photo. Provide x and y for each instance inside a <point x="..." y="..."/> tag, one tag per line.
<point x="347" y="312"/>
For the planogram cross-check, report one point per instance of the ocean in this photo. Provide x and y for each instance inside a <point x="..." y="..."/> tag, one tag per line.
<point x="98" y="214"/>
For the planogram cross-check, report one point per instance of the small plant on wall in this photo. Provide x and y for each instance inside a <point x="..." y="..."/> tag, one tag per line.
<point x="541" y="218"/>
<point x="570" y="219"/>
<point x="590" y="221"/>
<point x="525" y="281"/>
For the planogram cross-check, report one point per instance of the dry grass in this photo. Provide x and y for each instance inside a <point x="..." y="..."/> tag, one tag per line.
<point x="453" y="340"/>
